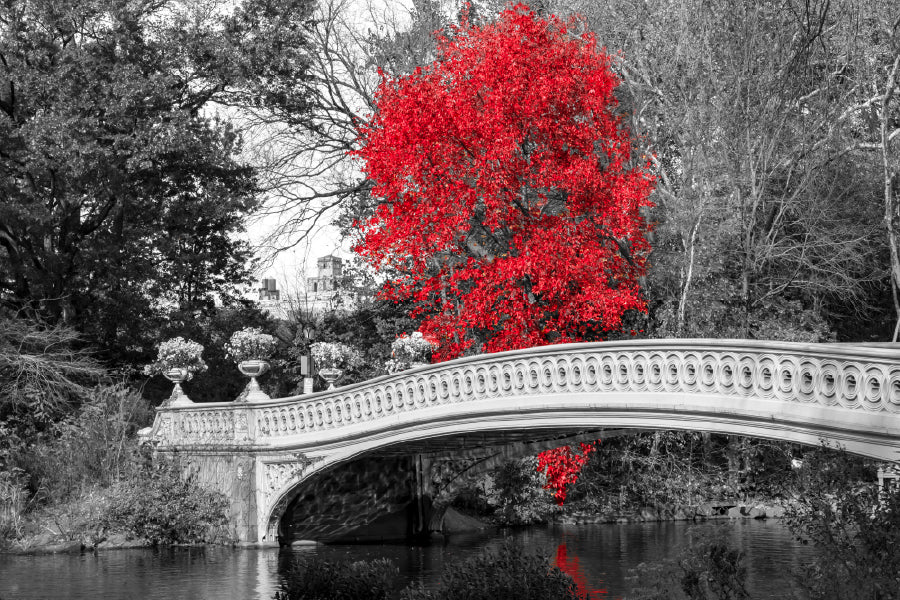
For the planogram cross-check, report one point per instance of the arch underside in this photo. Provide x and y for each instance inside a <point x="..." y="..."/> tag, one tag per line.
<point x="869" y="434"/>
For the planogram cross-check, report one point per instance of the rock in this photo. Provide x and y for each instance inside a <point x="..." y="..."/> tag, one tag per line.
<point x="679" y="515"/>
<point x="68" y="547"/>
<point x="704" y="510"/>
<point x="42" y="539"/>
<point x="776" y="512"/>
<point x="120" y="540"/>
<point x="648" y="513"/>
<point x="272" y="544"/>
<point x="456" y="522"/>
<point x="735" y="512"/>
<point x="757" y="512"/>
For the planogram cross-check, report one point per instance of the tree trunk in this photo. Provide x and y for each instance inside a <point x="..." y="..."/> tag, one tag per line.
<point x="890" y="207"/>
<point x="688" y="276"/>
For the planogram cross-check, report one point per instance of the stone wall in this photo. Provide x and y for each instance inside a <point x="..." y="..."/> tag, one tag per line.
<point x="233" y="475"/>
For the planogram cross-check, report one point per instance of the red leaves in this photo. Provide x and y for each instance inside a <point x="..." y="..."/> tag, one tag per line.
<point x="562" y="466"/>
<point x="508" y="206"/>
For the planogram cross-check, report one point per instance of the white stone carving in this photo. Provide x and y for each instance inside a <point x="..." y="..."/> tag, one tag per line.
<point x="857" y="378"/>
<point x="278" y="475"/>
<point x="826" y="380"/>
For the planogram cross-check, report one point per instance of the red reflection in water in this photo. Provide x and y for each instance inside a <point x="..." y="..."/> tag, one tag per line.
<point x="571" y="567"/>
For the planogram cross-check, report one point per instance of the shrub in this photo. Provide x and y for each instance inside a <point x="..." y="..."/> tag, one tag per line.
<point x="318" y="579"/>
<point x="162" y="505"/>
<point x="94" y="446"/>
<point x="519" y="495"/>
<point x="13" y="499"/>
<point x="44" y="371"/>
<point x="854" y="527"/>
<point x="505" y="573"/>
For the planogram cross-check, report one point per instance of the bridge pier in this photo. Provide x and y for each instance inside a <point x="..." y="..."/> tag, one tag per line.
<point x="421" y="521"/>
<point x="232" y="474"/>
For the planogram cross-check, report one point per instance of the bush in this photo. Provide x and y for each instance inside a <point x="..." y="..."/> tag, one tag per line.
<point x="518" y="494"/>
<point x="160" y="504"/>
<point x="511" y="495"/>
<point x="13" y="500"/>
<point x="44" y="371"/>
<point x="93" y="447"/>
<point x="319" y="579"/>
<point x="854" y="527"/>
<point x="505" y="573"/>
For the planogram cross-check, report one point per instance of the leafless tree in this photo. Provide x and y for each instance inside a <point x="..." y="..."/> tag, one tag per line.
<point x="308" y="172"/>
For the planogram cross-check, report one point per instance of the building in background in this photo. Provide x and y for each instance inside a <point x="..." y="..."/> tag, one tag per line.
<point x="324" y="292"/>
<point x="268" y="290"/>
<point x="327" y="281"/>
<point x="270" y="299"/>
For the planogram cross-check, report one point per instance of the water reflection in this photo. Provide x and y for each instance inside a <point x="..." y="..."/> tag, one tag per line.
<point x="571" y="566"/>
<point x="155" y="574"/>
<point x="597" y="557"/>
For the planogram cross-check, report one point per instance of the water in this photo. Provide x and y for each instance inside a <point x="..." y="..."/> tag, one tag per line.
<point x="597" y="556"/>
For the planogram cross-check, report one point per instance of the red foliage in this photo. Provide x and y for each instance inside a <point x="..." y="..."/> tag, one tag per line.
<point x="509" y="205"/>
<point x="562" y="466"/>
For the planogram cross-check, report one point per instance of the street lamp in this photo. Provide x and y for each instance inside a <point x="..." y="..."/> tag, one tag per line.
<point x="306" y="366"/>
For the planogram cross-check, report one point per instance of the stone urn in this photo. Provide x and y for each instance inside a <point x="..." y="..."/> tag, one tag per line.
<point x="330" y="376"/>
<point x="253" y="369"/>
<point x="178" y="375"/>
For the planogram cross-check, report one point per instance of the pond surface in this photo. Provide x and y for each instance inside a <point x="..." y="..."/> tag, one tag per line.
<point x="599" y="557"/>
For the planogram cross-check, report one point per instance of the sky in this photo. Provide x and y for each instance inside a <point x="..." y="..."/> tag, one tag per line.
<point x="290" y="266"/>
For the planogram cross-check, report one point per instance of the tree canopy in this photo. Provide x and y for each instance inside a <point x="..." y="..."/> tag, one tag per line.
<point x="510" y="204"/>
<point x="121" y="190"/>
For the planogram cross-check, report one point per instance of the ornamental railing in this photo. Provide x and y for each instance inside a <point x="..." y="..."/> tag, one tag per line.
<point x="852" y="377"/>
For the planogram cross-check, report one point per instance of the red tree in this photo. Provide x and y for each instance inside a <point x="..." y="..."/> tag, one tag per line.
<point x="509" y="204"/>
<point x="561" y="467"/>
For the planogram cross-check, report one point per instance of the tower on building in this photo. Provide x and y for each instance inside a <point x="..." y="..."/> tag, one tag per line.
<point x="327" y="279"/>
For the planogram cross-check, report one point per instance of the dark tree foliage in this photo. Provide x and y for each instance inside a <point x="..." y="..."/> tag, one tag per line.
<point x="120" y="192"/>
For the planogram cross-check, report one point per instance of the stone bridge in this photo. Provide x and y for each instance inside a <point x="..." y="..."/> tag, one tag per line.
<point x="267" y="456"/>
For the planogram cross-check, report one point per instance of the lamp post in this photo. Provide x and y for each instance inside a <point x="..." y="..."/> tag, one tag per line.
<point x="306" y="362"/>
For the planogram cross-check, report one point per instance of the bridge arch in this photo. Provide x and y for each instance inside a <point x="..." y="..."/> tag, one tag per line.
<point x="846" y="394"/>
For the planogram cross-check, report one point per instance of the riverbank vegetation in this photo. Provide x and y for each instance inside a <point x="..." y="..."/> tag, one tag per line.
<point x="73" y="470"/>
